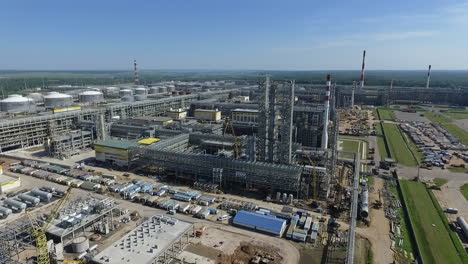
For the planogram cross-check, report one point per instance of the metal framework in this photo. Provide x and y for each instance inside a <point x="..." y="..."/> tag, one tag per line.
<point x="14" y="238"/>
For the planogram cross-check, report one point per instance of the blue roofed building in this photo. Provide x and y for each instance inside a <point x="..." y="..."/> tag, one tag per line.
<point x="261" y="223"/>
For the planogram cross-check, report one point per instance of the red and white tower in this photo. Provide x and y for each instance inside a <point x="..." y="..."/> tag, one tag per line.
<point x="136" y="78"/>
<point x="363" y="68"/>
<point x="428" y="76"/>
<point x="325" y="116"/>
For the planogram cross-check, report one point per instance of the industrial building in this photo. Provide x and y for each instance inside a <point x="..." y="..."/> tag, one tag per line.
<point x="114" y="152"/>
<point x="260" y="223"/>
<point x="8" y="183"/>
<point x="207" y="115"/>
<point x="65" y="145"/>
<point x="157" y="240"/>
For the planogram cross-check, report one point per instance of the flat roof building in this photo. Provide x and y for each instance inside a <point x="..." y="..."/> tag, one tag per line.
<point x="261" y="223"/>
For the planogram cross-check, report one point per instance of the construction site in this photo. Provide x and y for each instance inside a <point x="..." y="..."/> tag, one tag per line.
<point x="197" y="172"/>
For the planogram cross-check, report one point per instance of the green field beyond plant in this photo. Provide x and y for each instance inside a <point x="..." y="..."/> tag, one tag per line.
<point x="398" y="148"/>
<point x="437" y="245"/>
<point x="455" y="130"/>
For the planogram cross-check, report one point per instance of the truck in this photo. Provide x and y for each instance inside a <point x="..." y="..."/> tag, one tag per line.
<point x="194" y="210"/>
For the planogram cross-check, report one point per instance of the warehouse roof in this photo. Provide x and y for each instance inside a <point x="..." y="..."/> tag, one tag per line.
<point x="264" y="222"/>
<point x="117" y="143"/>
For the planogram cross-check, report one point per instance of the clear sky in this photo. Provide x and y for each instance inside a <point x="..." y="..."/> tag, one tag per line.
<point x="233" y="34"/>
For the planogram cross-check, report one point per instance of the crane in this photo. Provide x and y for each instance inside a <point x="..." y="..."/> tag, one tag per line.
<point x="39" y="232"/>
<point x="236" y="143"/>
<point x="314" y="174"/>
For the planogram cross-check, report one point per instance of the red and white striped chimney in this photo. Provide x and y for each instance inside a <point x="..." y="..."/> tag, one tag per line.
<point x="325" y="116"/>
<point x="136" y="78"/>
<point x="428" y="76"/>
<point x="363" y="68"/>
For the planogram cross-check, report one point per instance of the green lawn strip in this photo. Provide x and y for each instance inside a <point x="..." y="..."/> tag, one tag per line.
<point x="397" y="145"/>
<point x="381" y="142"/>
<point x="464" y="190"/>
<point x="439" y="181"/>
<point x="434" y="240"/>
<point x="458" y="132"/>
<point x="350" y="145"/>
<point x="457" y="115"/>
<point x="386" y="114"/>
<point x="418" y="155"/>
<point x="437" y="118"/>
<point x="408" y="241"/>
<point x="457" y="169"/>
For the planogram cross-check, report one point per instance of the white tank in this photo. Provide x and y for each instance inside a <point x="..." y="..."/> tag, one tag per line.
<point x="91" y="97"/>
<point x="365" y="203"/>
<point x="15" y="204"/>
<point x="111" y="92"/>
<point x="140" y="97"/>
<point x="153" y="90"/>
<point x="162" y="89"/>
<point x="5" y="211"/>
<point x="80" y="244"/>
<point x="44" y="196"/>
<point x="57" y="100"/>
<point x="140" y="91"/>
<point x="127" y="98"/>
<point x="36" y="97"/>
<point x="16" y="103"/>
<point x="125" y="92"/>
<point x="29" y="199"/>
<point x="464" y="226"/>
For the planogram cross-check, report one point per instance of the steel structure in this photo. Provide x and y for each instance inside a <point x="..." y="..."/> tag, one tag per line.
<point x="136" y="78"/>
<point x="15" y="238"/>
<point x="354" y="211"/>
<point x="286" y="93"/>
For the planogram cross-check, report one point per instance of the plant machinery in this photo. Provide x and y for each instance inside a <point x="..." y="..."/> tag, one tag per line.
<point x="39" y="232"/>
<point x="236" y="143"/>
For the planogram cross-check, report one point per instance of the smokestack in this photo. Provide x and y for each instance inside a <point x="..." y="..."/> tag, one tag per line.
<point x="428" y="76"/>
<point x="136" y="79"/>
<point x="363" y="68"/>
<point x="325" y="116"/>
<point x="352" y="94"/>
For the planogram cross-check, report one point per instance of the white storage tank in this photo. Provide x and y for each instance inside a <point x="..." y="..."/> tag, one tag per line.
<point x="15" y="204"/>
<point x="4" y="212"/>
<point x="153" y="90"/>
<point x="44" y="196"/>
<point x="36" y="97"/>
<point x="17" y="104"/>
<point x="80" y="244"/>
<point x="125" y="92"/>
<point x="57" y="100"/>
<point x="33" y="201"/>
<point x="140" y="97"/>
<point x="127" y="98"/>
<point x="90" y="96"/>
<point x="162" y="89"/>
<point x="140" y="91"/>
<point x="111" y="92"/>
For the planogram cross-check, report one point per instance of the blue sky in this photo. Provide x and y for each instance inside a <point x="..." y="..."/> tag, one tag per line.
<point x="233" y="34"/>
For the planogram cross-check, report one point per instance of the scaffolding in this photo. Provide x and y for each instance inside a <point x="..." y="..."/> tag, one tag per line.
<point x="14" y="239"/>
<point x="66" y="145"/>
<point x="286" y="110"/>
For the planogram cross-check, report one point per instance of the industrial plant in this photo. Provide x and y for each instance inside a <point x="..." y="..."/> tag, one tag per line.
<point x="118" y="174"/>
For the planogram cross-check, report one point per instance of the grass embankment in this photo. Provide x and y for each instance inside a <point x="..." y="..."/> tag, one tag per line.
<point x="350" y="145"/>
<point x="457" y="115"/>
<point x="408" y="241"/>
<point x="437" y="118"/>
<point x="455" y="130"/>
<point x="437" y="243"/>
<point x="439" y="181"/>
<point x="398" y="146"/>
<point x="464" y="190"/>
<point x="381" y="142"/>
<point x="386" y="114"/>
<point x="457" y="169"/>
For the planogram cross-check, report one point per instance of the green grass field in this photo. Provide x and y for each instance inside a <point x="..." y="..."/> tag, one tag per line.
<point x="381" y="142"/>
<point x="413" y="148"/>
<point x="398" y="147"/>
<point x="458" y="115"/>
<point x="458" y="132"/>
<point x="350" y="145"/>
<point x="456" y="169"/>
<point x="386" y="114"/>
<point x="408" y="240"/>
<point x="464" y="190"/>
<point x="432" y="234"/>
<point x="436" y="118"/>
<point x="439" y="181"/>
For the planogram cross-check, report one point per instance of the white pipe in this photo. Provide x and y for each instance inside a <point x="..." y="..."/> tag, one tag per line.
<point x="325" y="116"/>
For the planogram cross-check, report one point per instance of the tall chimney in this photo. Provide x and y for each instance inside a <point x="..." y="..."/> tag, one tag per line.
<point x="428" y="76"/>
<point x="352" y="94"/>
<point x="363" y="68"/>
<point x="325" y="116"/>
<point x="136" y="79"/>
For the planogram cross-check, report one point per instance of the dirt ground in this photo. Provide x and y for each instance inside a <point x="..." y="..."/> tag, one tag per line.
<point x="379" y="230"/>
<point x="226" y="246"/>
<point x="410" y="117"/>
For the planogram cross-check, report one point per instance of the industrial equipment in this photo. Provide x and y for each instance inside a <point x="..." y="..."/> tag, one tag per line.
<point x="236" y="143"/>
<point x="39" y="232"/>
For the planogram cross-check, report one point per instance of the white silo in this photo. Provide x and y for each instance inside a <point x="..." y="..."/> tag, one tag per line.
<point x="111" y="92"/>
<point x="140" y="97"/>
<point x="153" y="90"/>
<point x="90" y="96"/>
<point x="56" y="100"/>
<point x="125" y="92"/>
<point x="16" y="103"/>
<point x="162" y="89"/>
<point x="140" y="91"/>
<point x="36" y="97"/>
<point x="127" y="98"/>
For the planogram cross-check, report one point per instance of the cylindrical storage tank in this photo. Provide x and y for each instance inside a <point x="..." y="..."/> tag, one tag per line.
<point x="29" y="199"/>
<point x="141" y="91"/>
<point x="80" y="244"/>
<point x="17" y="104"/>
<point x="365" y="203"/>
<point x="128" y="98"/>
<point x="5" y="211"/>
<point x="111" y="92"/>
<point x="140" y="97"/>
<point x="90" y="96"/>
<point x="125" y="92"/>
<point x="56" y="100"/>
<point x="153" y="90"/>
<point x="463" y="225"/>
<point x="16" y="204"/>
<point x="162" y="89"/>
<point x="170" y="88"/>
<point x="44" y="196"/>
<point x="36" y="97"/>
